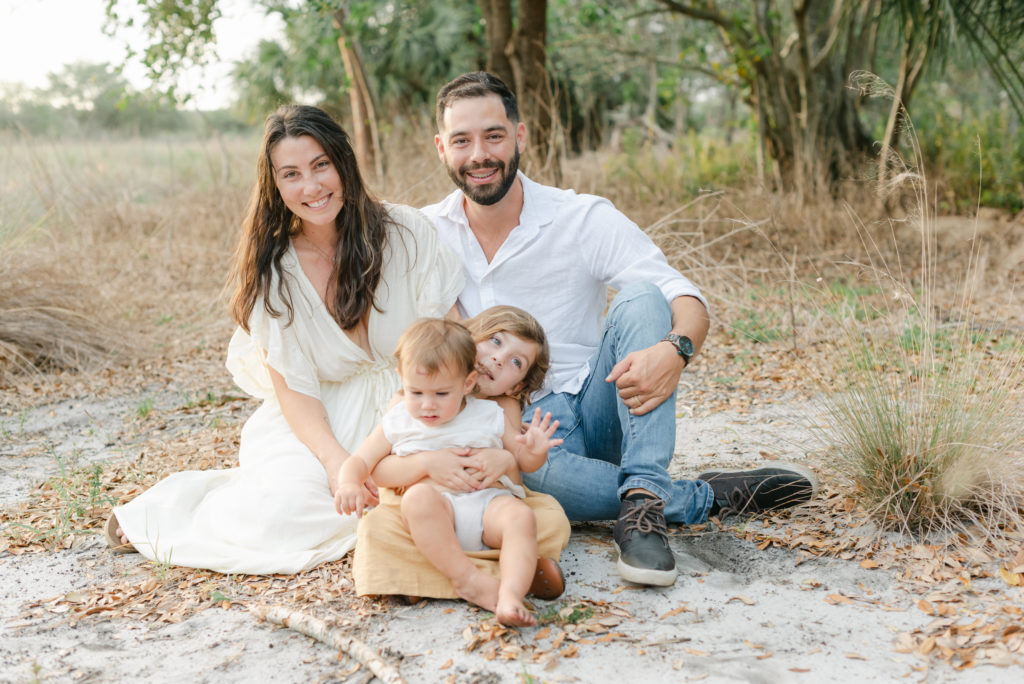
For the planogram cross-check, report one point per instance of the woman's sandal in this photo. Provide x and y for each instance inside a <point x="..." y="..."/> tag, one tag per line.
<point x="113" y="541"/>
<point x="548" y="582"/>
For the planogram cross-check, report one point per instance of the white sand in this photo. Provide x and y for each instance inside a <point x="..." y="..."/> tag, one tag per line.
<point x="752" y="616"/>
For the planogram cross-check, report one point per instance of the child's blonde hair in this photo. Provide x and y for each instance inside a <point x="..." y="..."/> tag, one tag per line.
<point x="514" y="320"/>
<point x="435" y="344"/>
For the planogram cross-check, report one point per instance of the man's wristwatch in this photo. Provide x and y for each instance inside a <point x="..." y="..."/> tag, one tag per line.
<point x="683" y="345"/>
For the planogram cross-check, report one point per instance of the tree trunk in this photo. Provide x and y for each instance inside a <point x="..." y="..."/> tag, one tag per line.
<point x="525" y="54"/>
<point x="366" y="140"/>
<point x="498" y="27"/>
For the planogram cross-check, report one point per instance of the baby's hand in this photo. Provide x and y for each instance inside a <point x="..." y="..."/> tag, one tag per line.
<point x="350" y="498"/>
<point x="536" y="436"/>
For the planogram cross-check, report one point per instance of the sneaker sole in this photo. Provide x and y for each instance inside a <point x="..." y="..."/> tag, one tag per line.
<point x="800" y="470"/>
<point x="648" y="576"/>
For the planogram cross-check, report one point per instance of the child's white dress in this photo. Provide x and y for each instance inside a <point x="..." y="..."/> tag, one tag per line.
<point x="275" y="513"/>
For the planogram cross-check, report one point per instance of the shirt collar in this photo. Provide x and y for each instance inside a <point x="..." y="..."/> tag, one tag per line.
<point x="533" y="216"/>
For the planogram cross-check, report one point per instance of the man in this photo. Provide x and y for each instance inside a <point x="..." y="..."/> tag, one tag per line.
<point x="613" y="379"/>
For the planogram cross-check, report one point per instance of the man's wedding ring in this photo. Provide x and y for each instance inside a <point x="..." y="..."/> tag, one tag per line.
<point x="636" y="398"/>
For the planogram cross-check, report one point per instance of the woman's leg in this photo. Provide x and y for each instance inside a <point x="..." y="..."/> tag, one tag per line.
<point x="429" y="518"/>
<point x="509" y="524"/>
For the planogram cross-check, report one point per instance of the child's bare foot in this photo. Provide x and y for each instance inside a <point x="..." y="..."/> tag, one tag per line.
<point x="479" y="588"/>
<point x="512" y="611"/>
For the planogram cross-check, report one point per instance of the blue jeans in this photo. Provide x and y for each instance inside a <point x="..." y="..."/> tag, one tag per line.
<point x="607" y="451"/>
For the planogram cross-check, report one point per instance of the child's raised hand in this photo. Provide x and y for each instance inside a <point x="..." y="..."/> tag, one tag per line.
<point x="536" y="436"/>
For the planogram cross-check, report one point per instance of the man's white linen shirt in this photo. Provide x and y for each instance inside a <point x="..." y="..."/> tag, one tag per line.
<point x="557" y="264"/>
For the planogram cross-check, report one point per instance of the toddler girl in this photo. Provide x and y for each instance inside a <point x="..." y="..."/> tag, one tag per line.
<point x="440" y="364"/>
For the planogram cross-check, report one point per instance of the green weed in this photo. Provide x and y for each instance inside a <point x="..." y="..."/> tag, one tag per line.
<point x="196" y="401"/>
<point x="80" y="492"/>
<point x="856" y="301"/>
<point x="564" y="613"/>
<point x="145" y="407"/>
<point x="758" y="326"/>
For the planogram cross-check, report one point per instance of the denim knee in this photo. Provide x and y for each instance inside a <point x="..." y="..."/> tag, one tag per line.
<point x="642" y="302"/>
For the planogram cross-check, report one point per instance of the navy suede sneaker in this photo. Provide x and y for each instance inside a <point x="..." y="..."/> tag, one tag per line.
<point x="641" y="537"/>
<point x="764" y="489"/>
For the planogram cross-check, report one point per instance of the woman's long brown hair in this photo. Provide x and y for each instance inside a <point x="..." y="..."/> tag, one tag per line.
<point x="361" y="224"/>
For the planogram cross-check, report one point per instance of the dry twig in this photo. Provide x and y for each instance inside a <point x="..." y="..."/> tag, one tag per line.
<point x="319" y="630"/>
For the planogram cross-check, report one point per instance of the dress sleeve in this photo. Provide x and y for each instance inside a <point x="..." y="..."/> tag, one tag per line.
<point x="272" y="341"/>
<point x="437" y="271"/>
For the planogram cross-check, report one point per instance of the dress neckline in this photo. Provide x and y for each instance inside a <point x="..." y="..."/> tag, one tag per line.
<point x="306" y="283"/>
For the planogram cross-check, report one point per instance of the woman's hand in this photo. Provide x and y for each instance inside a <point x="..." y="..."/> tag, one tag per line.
<point x="492" y="464"/>
<point x="370" y="493"/>
<point x="454" y="469"/>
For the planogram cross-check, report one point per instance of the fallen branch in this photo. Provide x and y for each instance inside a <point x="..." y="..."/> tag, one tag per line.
<point x="332" y="636"/>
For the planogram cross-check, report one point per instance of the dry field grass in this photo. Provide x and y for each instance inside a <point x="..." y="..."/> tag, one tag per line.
<point x="113" y="253"/>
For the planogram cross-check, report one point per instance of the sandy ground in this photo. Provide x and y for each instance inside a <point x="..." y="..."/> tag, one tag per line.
<point x="736" y="614"/>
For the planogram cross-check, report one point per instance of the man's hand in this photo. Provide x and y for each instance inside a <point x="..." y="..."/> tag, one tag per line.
<point x="647" y="377"/>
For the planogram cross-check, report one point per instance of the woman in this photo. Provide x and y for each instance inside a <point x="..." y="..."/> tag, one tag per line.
<point x="325" y="280"/>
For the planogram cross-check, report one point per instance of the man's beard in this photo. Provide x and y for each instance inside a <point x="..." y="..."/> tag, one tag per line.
<point x="486" y="194"/>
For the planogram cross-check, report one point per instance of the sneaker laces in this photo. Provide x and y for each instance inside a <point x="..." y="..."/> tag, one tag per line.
<point x="738" y="501"/>
<point x="646" y="517"/>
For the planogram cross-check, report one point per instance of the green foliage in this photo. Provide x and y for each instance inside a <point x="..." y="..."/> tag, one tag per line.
<point x="977" y="156"/>
<point x="926" y="440"/>
<point x="696" y="163"/>
<point x="178" y="35"/>
<point x="87" y="98"/>
<point x="758" y="326"/>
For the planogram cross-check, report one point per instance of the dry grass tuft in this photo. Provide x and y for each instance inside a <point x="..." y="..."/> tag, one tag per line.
<point x="50" y="323"/>
<point x="115" y="249"/>
<point x="933" y="445"/>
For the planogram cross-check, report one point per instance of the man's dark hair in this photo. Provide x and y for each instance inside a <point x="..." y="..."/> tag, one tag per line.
<point x="476" y="84"/>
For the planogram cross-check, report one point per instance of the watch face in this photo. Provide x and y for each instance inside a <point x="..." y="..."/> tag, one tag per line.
<point x="686" y="345"/>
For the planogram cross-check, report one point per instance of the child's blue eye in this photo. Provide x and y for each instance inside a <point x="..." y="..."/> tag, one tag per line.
<point x="496" y="340"/>
<point x="517" y="363"/>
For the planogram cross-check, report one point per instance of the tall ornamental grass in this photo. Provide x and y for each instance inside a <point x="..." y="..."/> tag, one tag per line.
<point x="927" y="418"/>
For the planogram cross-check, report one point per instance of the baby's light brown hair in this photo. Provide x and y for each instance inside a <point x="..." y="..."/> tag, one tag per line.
<point x="435" y="344"/>
<point x="514" y="320"/>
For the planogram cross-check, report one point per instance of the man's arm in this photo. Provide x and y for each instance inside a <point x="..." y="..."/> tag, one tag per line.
<point x="647" y="377"/>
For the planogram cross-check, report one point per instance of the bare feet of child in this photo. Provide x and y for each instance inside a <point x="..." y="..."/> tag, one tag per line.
<point x="511" y="611"/>
<point x="479" y="588"/>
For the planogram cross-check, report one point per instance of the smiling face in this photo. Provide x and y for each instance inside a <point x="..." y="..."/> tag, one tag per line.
<point x="435" y="398"/>
<point x="307" y="180"/>
<point x="502" y="361"/>
<point x="480" y="147"/>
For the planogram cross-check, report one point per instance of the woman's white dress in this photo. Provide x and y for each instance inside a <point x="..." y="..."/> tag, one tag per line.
<point x="275" y="513"/>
